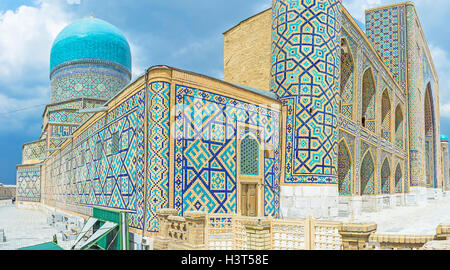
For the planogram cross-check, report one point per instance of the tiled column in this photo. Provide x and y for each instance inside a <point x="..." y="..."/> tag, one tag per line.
<point x="306" y="77"/>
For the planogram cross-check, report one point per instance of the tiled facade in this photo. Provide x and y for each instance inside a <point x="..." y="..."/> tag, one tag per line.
<point x="337" y="127"/>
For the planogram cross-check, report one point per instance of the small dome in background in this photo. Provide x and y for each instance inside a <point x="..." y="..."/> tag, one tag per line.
<point x="91" y="39"/>
<point x="444" y="138"/>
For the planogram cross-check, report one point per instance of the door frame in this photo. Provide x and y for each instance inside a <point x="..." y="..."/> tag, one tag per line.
<point x="250" y="179"/>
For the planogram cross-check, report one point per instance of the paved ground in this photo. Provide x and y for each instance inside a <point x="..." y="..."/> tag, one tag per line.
<point x="411" y="220"/>
<point x="25" y="228"/>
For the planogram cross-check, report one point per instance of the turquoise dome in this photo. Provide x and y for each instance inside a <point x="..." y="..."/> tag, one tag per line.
<point x="444" y="138"/>
<point x="91" y="39"/>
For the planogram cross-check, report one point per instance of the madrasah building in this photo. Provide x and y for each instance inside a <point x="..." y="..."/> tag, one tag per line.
<point x="315" y="116"/>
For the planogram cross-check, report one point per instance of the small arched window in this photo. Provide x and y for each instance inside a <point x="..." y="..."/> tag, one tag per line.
<point x="249" y="156"/>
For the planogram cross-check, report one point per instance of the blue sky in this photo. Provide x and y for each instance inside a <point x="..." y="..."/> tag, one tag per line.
<point x="182" y="33"/>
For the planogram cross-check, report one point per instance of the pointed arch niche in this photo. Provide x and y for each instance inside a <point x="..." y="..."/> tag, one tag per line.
<point x="398" y="179"/>
<point x="368" y="101"/>
<point x="344" y="169"/>
<point x="368" y="175"/>
<point x="386" y="177"/>
<point x="399" y="127"/>
<point x="386" y="116"/>
<point x="430" y="140"/>
<point x="347" y="80"/>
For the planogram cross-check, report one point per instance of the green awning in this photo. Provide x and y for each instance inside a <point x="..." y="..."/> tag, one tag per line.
<point x="44" y="246"/>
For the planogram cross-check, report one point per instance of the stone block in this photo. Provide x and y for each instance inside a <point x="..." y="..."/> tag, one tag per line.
<point x="316" y="203"/>
<point x="287" y="202"/>
<point x="287" y="191"/>
<point x="301" y="203"/>
<point x="310" y="191"/>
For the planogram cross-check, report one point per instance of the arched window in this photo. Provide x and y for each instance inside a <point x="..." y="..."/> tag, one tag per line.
<point x="249" y="156"/>
<point x="367" y="175"/>
<point x="398" y="179"/>
<point x="347" y="71"/>
<point x="344" y="170"/>
<point x="386" y="177"/>
<point x="368" y="101"/>
<point x="386" y="116"/>
<point x="399" y="126"/>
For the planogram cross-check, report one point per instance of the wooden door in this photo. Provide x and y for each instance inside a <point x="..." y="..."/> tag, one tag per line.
<point x="249" y="200"/>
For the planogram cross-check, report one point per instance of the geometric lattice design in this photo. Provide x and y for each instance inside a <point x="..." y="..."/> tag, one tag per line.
<point x="67" y="116"/>
<point x="249" y="156"/>
<point x="87" y="78"/>
<point x="347" y="74"/>
<point x="344" y="170"/>
<point x="368" y="175"/>
<point x="306" y="77"/>
<point x="29" y="184"/>
<point x="386" y="177"/>
<point x="206" y="146"/>
<point x="88" y="173"/>
<point x="430" y="140"/>
<point x="386" y="29"/>
<point x="34" y="150"/>
<point x="368" y="101"/>
<point x="386" y="116"/>
<point x="399" y="127"/>
<point x="158" y="151"/>
<point x="398" y="179"/>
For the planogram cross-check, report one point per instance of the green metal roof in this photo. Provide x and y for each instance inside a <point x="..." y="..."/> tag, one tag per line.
<point x="44" y="246"/>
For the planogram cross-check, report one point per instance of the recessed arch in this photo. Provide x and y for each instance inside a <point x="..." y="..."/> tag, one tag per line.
<point x="430" y="139"/>
<point x="368" y="101"/>
<point x="368" y="174"/>
<point x="386" y="177"/>
<point x="398" y="179"/>
<point x="386" y="113"/>
<point x="347" y="80"/>
<point x="345" y="165"/>
<point x="399" y="126"/>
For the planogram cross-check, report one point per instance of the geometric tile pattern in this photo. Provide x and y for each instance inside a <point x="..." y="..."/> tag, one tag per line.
<point x="68" y="116"/>
<point x="88" y="173"/>
<point x="386" y="115"/>
<point x="369" y="101"/>
<point x="306" y="77"/>
<point x="386" y="30"/>
<point x="398" y="179"/>
<point x="344" y="170"/>
<point x="157" y="151"/>
<point x="34" y="150"/>
<point x="29" y="184"/>
<point x="206" y="133"/>
<point x="89" y="79"/>
<point x="368" y="175"/>
<point x="385" y="177"/>
<point x="348" y="53"/>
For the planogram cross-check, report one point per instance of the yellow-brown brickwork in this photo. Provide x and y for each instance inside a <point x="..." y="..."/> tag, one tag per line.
<point x="247" y="52"/>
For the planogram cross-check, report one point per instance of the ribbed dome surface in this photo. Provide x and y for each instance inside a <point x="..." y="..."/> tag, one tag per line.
<point x="91" y="39"/>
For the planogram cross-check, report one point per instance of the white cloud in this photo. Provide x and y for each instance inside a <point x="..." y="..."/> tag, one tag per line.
<point x="441" y="61"/>
<point x="73" y="2"/>
<point x="357" y="7"/>
<point x="27" y="34"/>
